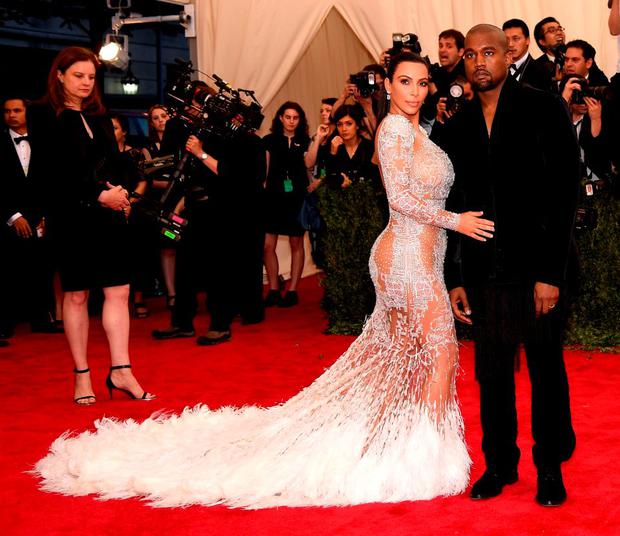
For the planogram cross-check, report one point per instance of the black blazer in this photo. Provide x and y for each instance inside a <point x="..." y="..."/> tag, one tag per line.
<point x="524" y="177"/>
<point x="19" y="193"/>
<point x="533" y="75"/>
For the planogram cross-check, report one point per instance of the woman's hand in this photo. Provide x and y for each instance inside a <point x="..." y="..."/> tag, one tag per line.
<point x="337" y="141"/>
<point x="114" y="198"/>
<point x="472" y="225"/>
<point x="321" y="132"/>
<point x="346" y="181"/>
<point x="314" y="185"/>
<point x="194" y="146"/>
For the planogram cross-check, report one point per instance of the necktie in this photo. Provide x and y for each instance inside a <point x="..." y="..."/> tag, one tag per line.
<point x="19" y="139"/>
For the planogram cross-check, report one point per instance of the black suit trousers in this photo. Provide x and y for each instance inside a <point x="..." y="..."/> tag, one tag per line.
<point x="504" y="317"/>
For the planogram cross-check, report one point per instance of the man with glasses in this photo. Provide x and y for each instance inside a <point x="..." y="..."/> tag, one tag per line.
<point x="550" y="38"/>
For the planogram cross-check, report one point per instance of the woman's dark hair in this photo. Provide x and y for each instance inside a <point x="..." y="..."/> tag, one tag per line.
<point x="122" y="121"/>
<point x="153" y="136"/>
<point x="302" y="128"/>
<point x="330" y="101"/>
<point x="401" y="57"/>
<point x="404" y="57"/>
<point x="55" y="95"/>
<point x="355" y="111"/>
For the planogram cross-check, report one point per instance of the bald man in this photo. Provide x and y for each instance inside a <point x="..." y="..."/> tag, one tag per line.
<point x="516" y="159"/>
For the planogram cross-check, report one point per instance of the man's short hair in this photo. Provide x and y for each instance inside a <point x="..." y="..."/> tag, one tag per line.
<point x="517" y="23"/>
<point x="330" y="101"/>
<point x="15" y="97"/>
<point x="588" y="50"/>
<point x="375" y="68"/>
<point x="538" y="30"/>
<point x="458" y="37"/>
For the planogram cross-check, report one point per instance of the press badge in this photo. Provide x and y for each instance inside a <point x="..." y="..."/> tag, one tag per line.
<point x="288" y="185"/>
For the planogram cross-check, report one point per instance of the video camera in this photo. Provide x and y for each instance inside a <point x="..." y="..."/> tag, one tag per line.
<point x="365" y="82"/>
<point x="595" y="92"/>
<point x="400" y="42"/>
<point x="220" y="110"/>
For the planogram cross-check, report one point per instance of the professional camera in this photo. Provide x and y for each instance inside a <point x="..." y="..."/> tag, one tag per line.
<point x="400" y="42"/>
<point x="335" y="179"/>
<point x="365" y="82"/>
<point x="218" y="110"/>
<point x="595" y="92"/>
<point x="456" y="98"/>
<point x="559" y="51"/>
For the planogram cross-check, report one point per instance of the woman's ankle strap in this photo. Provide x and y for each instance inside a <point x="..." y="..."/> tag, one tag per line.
<point x="116" y="367"/>
<point x="83" y="371"/>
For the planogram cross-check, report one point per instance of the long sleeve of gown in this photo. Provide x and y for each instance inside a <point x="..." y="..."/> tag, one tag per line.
<point x="395" y="147"/>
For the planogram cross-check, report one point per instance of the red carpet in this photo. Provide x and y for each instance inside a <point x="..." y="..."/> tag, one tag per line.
<point x="266" y="364"/>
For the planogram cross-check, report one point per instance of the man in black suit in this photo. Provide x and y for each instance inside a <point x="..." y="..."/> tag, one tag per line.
<point x="550" y="38"/>
<point x="28" y="268"/>
<point x="523" y="68"/>
<point x="516" y="159"/>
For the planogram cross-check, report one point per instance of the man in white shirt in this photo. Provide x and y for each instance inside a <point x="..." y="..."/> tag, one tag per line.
<point x="523" y="69"/>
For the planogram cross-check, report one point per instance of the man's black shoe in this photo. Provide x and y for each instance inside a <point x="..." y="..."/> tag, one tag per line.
<point x="47" y="327"/>
<point x="213" y="337"/>
<point x="172" y="333"/>
<point x="551" y="490"/>
<point x="491" y="484"/>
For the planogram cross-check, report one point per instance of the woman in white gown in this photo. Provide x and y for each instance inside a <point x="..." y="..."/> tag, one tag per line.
<point x="381" y="425"/>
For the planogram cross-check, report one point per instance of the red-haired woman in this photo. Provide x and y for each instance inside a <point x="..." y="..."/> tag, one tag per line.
<point x="77" y="158"/>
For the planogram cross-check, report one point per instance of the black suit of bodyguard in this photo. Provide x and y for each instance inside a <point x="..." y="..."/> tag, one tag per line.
<point x="524" y="176"/>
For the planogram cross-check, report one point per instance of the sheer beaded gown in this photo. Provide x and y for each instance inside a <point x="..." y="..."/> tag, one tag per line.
<point x="381" y="425"/>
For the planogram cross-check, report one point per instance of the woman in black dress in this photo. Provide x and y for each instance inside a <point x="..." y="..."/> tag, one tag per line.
<point x="77" y="161"/>
<point x="287" y="182"/>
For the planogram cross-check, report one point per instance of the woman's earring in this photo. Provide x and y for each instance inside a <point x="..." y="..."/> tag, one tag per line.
<point x="388" y="96"/>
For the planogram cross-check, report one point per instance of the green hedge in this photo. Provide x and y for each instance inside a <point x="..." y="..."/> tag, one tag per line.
<point x="595" y="319"/>
<point x="355" y="216"/>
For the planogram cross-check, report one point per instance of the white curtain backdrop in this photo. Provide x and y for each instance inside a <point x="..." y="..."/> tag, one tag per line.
<point x="303" y="50"/>
<point x="257" y="44"/>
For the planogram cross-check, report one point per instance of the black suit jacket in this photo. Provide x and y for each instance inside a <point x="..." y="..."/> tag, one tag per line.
<point x="533" y="75"/>
<point x="524" y="177"/>
<point x="19" y="193"/>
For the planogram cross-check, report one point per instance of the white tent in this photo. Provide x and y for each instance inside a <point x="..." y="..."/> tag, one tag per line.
<point x="303" y="50"/>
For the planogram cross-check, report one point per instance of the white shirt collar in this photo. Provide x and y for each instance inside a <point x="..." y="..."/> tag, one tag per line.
<point x="518" y="64"/>
<point x="15" y="134"/>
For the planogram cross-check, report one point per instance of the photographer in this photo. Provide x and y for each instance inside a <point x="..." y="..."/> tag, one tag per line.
<point x="586" y="103"/>
<point x="220" y="249"/>
<point x="364" y="88"/>
<point x="459" y="93"/>
<point x="550" y="38"/>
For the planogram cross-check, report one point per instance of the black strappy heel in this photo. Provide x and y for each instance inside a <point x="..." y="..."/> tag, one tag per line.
<point x="110" y="385"/>
<point x="77" y="400"/>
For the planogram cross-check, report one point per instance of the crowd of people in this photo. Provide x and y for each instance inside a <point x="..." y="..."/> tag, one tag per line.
<point x="521" y="139"/>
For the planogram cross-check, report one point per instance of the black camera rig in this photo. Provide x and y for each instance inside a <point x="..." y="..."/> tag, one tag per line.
<point x="221" y="111"/>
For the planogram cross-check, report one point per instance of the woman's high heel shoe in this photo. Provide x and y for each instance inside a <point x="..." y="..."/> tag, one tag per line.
<point x="79" y="399"/>
<point x="110" y="385"/>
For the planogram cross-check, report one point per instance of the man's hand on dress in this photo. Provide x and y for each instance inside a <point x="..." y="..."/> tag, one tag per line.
<point x="472" y="225"/>
<point x="460" y="305"/>
<point x="545" y="298"/>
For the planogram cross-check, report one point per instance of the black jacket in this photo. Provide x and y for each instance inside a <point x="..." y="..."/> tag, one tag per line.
<point x="524" y="177"/>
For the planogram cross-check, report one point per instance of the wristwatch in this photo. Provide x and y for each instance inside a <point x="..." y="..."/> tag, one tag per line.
<point x="204" y="157"/>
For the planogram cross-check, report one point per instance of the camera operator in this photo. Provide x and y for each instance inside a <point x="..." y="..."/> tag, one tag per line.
<point x="364" y="88"/>
<point x="586" y="103"/>
<point x="221" y="247"/>
<point x="443" y="74"/>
